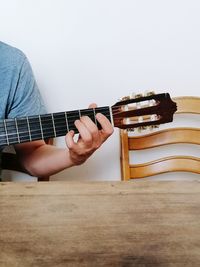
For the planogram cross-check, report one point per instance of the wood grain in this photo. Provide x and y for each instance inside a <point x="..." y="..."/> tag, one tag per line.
<point x="187" y="104"/>
<point x="135" y="223"/>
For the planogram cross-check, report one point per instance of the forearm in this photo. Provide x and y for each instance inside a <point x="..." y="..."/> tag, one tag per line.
<point x="46" y="160"/>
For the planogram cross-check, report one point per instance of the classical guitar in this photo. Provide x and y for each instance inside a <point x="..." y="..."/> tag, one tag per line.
<point x="128" y="113"/>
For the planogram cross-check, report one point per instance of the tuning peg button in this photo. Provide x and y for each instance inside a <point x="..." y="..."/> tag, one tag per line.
<point x="132" y="96"/>
<point x="138" y="95"/>
<point x="149" y="93"/>
<point x="124" y="98"/>
<point x="141" y="128"/>
<point x="152" y="127"/>
<point x="131" y="129"/>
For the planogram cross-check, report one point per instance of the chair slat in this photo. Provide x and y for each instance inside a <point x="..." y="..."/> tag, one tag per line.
<point x="187" y="104"/>
<point x="164" y="165"/>
<point x="165" y="137"/>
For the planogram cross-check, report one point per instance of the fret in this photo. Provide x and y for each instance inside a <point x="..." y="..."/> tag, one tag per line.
<point x="23" y="132"/>
<point x="105" y="111"/>
<point x="66" y="122"/>
<point x="29" y="130"/>
<point x="95" y="120"/>
<point x="35" y="128"/>
<point x="90" y="113"/>
<point x="48" y="126"/>
<point x="54" y="129"/>
<point x="3" y="139"/>
<point x="6" y="131"/>
<point x="17" y="130"/>
<point x="72" y="116"/>
<point x="41" y="127"/>
<point x="111" y="116"/>
<point x="60" y="123"/>
<point x="11" y="131"/>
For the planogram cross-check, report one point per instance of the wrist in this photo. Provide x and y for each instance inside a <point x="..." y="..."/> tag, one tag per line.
<point x="74" y="160"/>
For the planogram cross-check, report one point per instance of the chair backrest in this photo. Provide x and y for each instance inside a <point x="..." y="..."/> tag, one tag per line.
<point x="168" y="136"/>
<point x="10" y="161"/>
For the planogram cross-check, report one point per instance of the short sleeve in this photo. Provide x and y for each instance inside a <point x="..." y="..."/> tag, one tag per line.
<point x="26" y="99"/>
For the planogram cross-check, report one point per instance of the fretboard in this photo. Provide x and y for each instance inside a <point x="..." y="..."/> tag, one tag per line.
<point x="27" y="129"/>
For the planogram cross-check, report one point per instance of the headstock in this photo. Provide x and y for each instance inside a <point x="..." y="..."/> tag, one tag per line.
<point x="141" y="111"/>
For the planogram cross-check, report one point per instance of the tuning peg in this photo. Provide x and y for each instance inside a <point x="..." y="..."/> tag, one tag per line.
<point x="127" y="121"/>
<point x="149" y="93"/>
<point x="124" y="98"/>
<point x="140" y="119"/>
<point x="132" y="96"/>
<point x="130" y="129"/>
<point x="141" y="128"/>
<point x="138" y="95"/>
<point x="153" y="117"/>
<point x="152" y="127"/>
<point x="144" y="127"/>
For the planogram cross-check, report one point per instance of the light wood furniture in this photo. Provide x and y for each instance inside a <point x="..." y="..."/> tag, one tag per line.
<point x="161" y="138"/>
<point x="144" y="223"/>
<point x="10" y="161"/>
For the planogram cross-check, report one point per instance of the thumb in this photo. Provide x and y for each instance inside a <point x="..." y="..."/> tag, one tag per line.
<point x="93" y="105"/>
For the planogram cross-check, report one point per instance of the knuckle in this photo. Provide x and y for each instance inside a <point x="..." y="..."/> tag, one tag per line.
<point x="83" y="118"/>
<point x="97" y="146"/>
<point x="110" y="131"/>
<point x="88" y="140"/>
<point x="94" y="130"/>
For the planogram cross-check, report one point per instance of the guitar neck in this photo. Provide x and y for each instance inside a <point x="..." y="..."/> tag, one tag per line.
<point x="27" y="129"/>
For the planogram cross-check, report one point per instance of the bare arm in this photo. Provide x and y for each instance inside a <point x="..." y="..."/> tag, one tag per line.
<point x="40" y="159"/>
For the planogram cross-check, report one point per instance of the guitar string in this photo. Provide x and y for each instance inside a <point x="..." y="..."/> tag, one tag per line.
<point x="62" y="131"/>
<point x="35" y="132"/>
<point x="45" y="125"/>
<point x="23" y="121"/>
<point x="61" y="114"/>
<point x="46" y="130"/>
<point x="44" y="119"/>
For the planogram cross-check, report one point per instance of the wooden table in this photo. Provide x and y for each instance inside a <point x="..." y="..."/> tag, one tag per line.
<point x="125" y="224"/>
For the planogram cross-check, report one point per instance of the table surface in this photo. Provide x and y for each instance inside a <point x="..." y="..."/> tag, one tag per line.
<point x="136" y="223"/>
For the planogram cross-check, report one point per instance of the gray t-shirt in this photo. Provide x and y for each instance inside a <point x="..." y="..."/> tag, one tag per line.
<point x="19" y="94"/>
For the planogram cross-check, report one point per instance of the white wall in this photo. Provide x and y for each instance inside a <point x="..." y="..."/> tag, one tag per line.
<point x="85" y="51"/>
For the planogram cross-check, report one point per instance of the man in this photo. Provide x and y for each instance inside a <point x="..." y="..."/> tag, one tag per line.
<point x="19" y="96"/>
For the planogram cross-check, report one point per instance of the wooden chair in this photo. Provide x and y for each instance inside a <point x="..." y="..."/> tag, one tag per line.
<point x="10" y="161"/>
<point x="160" y="138"/>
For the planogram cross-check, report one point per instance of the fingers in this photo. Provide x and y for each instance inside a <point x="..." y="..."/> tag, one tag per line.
<point x="107" y="128"/>
<point x="91" y="127"/>
<point x="90" y="139"/>
<point x="69" y="140"/>
<point x="84" y="132"/>
<point x="93" y="105"/>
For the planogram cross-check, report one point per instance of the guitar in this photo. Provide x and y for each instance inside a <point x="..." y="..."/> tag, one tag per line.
<point x="128" y="113"/>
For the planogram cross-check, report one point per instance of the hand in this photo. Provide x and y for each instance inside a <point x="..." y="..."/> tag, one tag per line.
<point x="90" y="138"/>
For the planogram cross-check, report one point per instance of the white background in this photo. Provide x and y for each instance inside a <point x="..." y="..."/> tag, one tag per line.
<point x="85" y="51"/>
